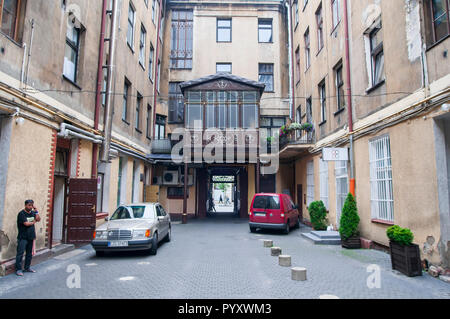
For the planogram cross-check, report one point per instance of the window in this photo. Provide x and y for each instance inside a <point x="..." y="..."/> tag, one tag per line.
<point x="249" y="110"/>
<point x="296" y="13"/>
<point x="297" y="63"/>
<point x="309" y="182"/>
<point x="181" y="39"/>
<point x="153" y="10"/>
<point x="305" y="2"/>
<point x="266" y="76"/>
<point x="335" y="5"/>
<point x="223" y="67"/>
<point x="319" y="20"/>
<point x="272" y="125"/>
<point x="71" y="52"/>
<point x="341" y="174"/>
<point x="194" y="109"/>
<point x="142" y="46"/>
<point x="438" y="13"/>
<point x="307" y="49"/>
<point x="264" y="30"/>
<point x="382" y="201"/>
<point x="9" y="17"/>
<point x="149" y="121"/>
<point x="130" y="31"/>
<point x="323" y="102"/>
<point x="176" y="192"/>
<point x="223" y="30"/>
<point x="126" y="89"/>
<point x="150" y="63"/>
<point x="323" y="171"/>
<point x="160" y="127"/>
<point x="138" y="112"/>
<point x="377" y="55"/>
<point x="176" y="103"/>
<point x="340" y="93"/>
<point x="309" y="115"/>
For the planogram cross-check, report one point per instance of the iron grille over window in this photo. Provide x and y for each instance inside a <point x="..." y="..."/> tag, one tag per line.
<point x="181" y="39"/>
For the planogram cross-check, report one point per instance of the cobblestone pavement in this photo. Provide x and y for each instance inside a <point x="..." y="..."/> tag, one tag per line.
<point x="220" y="258"/>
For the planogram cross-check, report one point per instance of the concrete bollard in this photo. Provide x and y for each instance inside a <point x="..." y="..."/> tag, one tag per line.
<point x="298" y="273"/>
<point x="268" y="243"/>
<point x="284" y="260"/>
<point x="275" y="251"/>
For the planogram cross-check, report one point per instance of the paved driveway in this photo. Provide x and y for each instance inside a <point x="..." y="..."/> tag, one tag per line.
<point x="220" y="258"/>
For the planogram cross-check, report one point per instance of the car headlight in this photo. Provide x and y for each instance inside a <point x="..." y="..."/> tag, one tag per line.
<point x="101" y="235"/>
<point x="141" y="233"/>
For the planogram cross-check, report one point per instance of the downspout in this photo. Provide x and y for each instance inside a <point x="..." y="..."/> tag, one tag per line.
<point x="155" y="85"/>
<point x="98" y="96"/>
<point x="29" y="52"/>
<point x="291" y="62"/>
<point x="349" y="98"/>
<point x="109" y="87"/>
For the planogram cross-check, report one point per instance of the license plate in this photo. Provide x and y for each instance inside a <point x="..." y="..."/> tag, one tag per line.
<point x="260" y="214"/>
<point x="119" y="243"/>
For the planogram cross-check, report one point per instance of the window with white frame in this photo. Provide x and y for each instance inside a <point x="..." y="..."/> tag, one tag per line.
<point x="335" y="5"/>
<point x="309" y="182"/>
<point x="341" y="174"/>
<point x="382" y="200"/>
<point x="323" y="171"/>
<point x="375" y="38"/>
<point x="71" y="52"/>
<point x="323" y="102"/>
<point x="142" y="46"/>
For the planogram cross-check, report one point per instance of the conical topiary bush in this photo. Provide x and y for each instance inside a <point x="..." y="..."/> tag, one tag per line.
<point x="349" y="222"/>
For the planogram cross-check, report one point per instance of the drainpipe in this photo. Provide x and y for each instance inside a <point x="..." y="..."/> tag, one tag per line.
<point x="291" y="62"/>
<point x="29" y="51"/>
<point x="109" y="87"/>
<point x="155" y="85"/>
<point x="98" y="96"/>
<point x="349" y="97"/>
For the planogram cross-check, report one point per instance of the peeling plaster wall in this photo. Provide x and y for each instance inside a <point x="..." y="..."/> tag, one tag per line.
<point x="413" y="36"/>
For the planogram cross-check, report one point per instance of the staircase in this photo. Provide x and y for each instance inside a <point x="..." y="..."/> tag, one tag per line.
<point x="323" y="237"/>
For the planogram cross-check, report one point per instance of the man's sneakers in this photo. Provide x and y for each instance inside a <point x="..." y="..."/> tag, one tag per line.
<point x="30" y="270"/>
<point x="19" y="273"/>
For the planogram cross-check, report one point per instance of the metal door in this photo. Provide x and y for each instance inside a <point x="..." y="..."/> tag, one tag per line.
<point x="81" y="214"/>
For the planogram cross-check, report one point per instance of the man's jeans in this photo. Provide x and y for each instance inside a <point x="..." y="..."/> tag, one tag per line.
<point x="22" y="246"/>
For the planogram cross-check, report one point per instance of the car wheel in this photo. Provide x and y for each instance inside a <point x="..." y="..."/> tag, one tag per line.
<point x="169" y="235"/>
<point x="99" y="253"/>
<point x="154" y="248"/>
<point x="252" y="229"/>
<point x="287" y="228"/>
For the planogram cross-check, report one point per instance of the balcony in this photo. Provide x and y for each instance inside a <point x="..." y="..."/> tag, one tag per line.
<point x="296" y="143"/>
<point x="162" y="146"/>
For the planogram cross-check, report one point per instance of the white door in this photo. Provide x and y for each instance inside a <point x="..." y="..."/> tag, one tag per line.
<point x="58" y="209"/>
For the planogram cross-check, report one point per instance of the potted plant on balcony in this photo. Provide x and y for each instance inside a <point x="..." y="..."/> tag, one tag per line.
<point x="348" y="229"/>
<point x="318" y="214"/>
<point x="405" y="256"/>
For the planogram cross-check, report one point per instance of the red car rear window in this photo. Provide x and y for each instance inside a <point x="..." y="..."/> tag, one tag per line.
<point x="266" y="202"/>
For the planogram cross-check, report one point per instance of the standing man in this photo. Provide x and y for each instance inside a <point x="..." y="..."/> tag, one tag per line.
<point x="27" y="234"/>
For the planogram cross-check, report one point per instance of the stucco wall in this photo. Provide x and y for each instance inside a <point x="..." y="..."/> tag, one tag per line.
<point x="28" y="178"/>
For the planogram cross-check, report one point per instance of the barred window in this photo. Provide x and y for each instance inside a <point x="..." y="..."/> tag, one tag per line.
<point x="382" y="200"/>
<point x="181" y="39"/>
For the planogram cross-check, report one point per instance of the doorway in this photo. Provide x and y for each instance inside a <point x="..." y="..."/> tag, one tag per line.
<point x="222" y="191"/>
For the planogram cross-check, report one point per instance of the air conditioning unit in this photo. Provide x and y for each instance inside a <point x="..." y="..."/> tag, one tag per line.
<point x="157" y="180"/>
<point x="190" y="180"/>
<point x="170" y="178"/>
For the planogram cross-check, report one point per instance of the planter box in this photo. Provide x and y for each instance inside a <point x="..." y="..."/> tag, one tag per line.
<point x="351" y="243"/>
<point x="406" y="259"/>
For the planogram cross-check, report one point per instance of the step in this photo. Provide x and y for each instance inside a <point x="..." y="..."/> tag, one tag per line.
<point x="326" y="234"/>
<point x="322" y="241"/>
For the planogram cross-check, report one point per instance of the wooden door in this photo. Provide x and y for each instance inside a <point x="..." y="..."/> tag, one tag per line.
<point x="81" y="214"/>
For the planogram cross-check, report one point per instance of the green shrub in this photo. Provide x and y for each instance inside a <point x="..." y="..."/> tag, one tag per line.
<point x="348" y="225"/>
<point x="402" y="236"/>
<point x="318" y="214"/>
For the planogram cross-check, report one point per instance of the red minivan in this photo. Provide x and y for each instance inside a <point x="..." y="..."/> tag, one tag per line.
<point x="273" y="211"/>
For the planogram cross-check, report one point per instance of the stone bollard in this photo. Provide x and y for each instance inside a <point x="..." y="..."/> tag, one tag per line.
<point x="298" y="273"/>
<point x="275" y="251"/>
<point x="284" y="260"/>
<point x="268" y="243"/>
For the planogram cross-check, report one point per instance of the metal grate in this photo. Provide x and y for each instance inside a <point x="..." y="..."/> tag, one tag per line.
<point x="119" y="234"/>
<point x="382" y="200"/>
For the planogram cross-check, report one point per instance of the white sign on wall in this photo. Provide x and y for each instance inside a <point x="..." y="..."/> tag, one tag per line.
<point x="335" y="154"/>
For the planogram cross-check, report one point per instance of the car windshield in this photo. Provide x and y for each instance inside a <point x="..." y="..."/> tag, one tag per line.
<point x="121" y="213"/>
<point x="266" y="202"/>
<point x="138" y="211"/>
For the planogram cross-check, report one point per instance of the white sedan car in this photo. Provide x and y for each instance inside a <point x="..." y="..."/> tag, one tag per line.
<point x="133" y="227"/>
